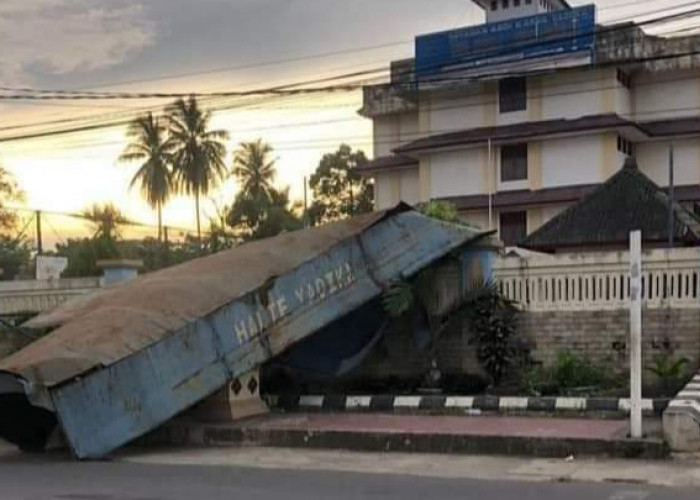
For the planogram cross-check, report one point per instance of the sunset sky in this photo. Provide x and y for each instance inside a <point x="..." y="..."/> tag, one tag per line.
<point x="144" y="45"/>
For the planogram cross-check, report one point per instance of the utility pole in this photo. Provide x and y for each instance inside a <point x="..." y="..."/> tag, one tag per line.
<point x="490" y="173"/>
<point x="352" y="198"/>
<point x="166" y="250"/>
<point x="306" y="206"/>
<point x="671" y="198"/>
<point x="39" y="241"/>
<point x="636" y="334"/>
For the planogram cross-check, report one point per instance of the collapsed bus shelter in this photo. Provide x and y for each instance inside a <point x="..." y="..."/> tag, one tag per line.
<point x="126" y="359"/>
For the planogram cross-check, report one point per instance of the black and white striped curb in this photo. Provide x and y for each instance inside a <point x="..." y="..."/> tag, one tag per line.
<point x="468" y="404"/>
<point x="688" y="400"/>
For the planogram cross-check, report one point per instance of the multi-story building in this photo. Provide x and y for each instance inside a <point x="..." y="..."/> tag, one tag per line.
<point x="518" y="118"/>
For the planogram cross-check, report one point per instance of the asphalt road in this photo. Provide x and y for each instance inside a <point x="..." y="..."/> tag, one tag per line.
<point x="39" y="478"/>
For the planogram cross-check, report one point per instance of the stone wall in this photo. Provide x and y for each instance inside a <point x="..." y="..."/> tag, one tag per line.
<point x="602" y="336"/>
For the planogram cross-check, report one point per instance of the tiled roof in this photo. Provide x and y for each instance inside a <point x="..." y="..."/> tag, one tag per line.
<point x="387" y="163"/>
<point x="627" y="201"/>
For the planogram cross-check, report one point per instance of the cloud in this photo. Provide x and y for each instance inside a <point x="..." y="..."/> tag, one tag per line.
<point x="64" y="36"/>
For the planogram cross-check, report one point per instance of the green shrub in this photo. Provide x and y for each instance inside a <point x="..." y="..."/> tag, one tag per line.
<point x="492" y="321"/>
<point x="569" y="372"/>
<point x="441" y="210"/>
<point x="671" y="373"/>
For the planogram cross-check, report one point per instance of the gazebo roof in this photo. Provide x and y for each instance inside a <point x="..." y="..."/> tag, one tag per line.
<point x="628" y="201"/>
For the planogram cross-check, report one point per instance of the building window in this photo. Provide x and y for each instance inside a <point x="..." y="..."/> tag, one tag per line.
<point x="504" y="4"/>
<point x="528" y="2"/>
<point x="513" y="227"/>
<point x="516" y="3"/>
<point x="494" y="5"/>
<point x="624" y="78"/>
<point x="514" y="163"/>
<point x="512" y="94"/>
<point x="625" y="146"/>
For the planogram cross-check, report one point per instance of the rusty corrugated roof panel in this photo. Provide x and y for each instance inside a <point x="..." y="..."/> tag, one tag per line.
<point x="106" y="326"/>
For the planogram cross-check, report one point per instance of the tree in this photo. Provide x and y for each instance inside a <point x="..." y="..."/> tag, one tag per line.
<point x="198" y="153"/>
<point x="154" y="177"/>
<point x="254" y="170"/>
<point x="105" y="220"/>
<point x="338" y="190"/>
<point x="9" y="191"/>
<point x="15" y="254"/>
<point x="14" y="251"/>
<point x="255" y="217"/>
<point x="83" y="254"/>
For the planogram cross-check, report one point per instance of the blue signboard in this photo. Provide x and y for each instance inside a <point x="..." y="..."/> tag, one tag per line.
<point x="559" y="32"/>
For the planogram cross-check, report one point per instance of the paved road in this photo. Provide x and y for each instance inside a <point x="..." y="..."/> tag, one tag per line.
<point x="56" y="478"/>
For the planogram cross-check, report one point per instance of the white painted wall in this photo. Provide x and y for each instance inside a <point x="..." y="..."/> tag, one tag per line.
<point x="394" y="186"/>
<point x="390" y="131"/>
<point x="456" y="173"/>
<point x="550" y="211"/>
<point x="624" y="102"/>
<point x="501" y="14"/>
<point x="409" y="187"/>
<point x="668" y="95"/>
<point x="448" y="114"/>
<point x="575" y="94"/>
<point x="653" y="160"/>
<point x="572" y="160"/>
<point x="384" y="190"/>
<point x="477" y="218"/>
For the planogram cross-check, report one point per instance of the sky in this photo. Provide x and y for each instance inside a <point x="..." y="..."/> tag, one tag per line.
<point x="148" y="45"/>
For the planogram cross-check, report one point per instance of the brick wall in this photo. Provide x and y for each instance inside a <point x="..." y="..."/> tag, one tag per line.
<point x="603" y="336"/>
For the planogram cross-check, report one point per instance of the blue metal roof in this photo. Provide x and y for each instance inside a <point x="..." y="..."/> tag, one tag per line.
<point x="126" y="359"/>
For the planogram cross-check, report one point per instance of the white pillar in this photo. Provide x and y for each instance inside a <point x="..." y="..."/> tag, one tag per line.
<point x="636" y="334"/>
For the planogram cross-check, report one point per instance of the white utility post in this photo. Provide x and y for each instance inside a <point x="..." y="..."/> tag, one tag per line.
<point x="636" y="334"/>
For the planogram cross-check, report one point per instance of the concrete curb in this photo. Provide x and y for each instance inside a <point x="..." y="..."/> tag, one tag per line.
<point x="461" y="404"/>
<point x="188" y="434"/>
<point x="681" y="420"/>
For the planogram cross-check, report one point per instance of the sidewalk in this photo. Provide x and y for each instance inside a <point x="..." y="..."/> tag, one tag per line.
<point x="524" y="436"/>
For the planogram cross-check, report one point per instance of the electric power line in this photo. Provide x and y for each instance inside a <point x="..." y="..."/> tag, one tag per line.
<point x="44" y="94"/>
<point x="102" y="125"/>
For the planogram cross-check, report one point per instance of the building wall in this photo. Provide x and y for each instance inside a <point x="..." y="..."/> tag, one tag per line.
<point x="603" y="336"/>
<point x="653" y="160"/>
<point x="600" y="336"/>
<point x="390" y="131"/>
<point x="458" y="173"/>
<point x="550" y="211"/>
<point x="477" y="218"/>
<point x="573" y="94"/>
<point x="572" y="160"/>
<point x="394" y="186"/>
<point x="451" y="113"/>
<point x="501" y="14"/>
<point x="668" y="95"/>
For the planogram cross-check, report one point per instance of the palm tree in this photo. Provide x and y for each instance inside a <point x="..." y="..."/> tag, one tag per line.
<point x="155" y="177"/>
<point x="105" y="220"/>
<point x="198" y="153"/>
<point x="254" y="170"/>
